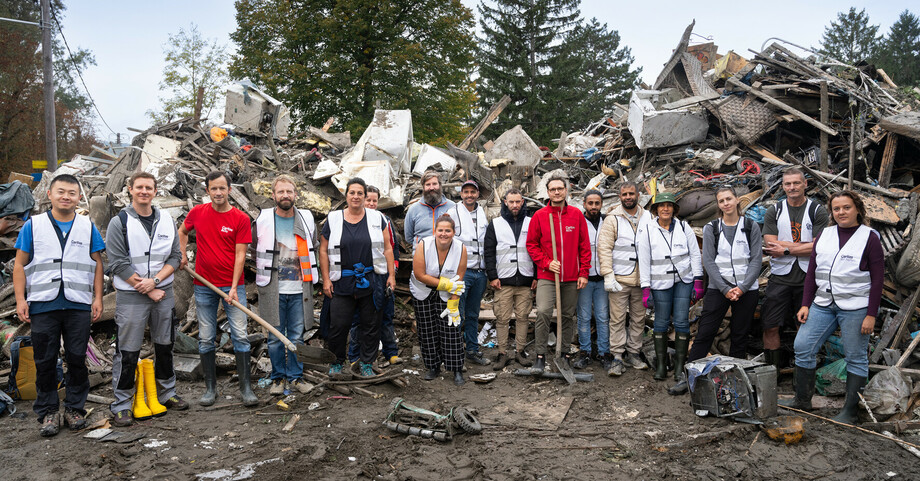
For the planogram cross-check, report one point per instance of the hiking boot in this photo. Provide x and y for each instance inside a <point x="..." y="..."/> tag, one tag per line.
<point x="277" y="387"/>
<point x="616" y="368"/>
<point x="301" y="386"/>
<point x="634" y="361"/>
<point x="338" y="373"/>
<point x="176" y="403"/>
<point x="432" y="374"/>
<point x="478" y="358"/>
<point x="850" y="409"/>
<point x="582" y="360"/>
<point x="123" y="418"/>
<point x="74" y="419"/>
<point x="209" y="369"/>
<point x="661" y="356"/>
<point x="366" y="371"/>
<point x="521" y="358"/>
<point x="606" y="361"/>
<point x="540" y="364"/>
<point x="458" y="378"/>
<point x="500" y="362"/>
<point x="804" y="382"/>
<point x="51" y="425"/>
<point x="681" y="387"/>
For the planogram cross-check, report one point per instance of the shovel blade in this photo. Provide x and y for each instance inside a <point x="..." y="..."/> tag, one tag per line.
<point x="315" y="354"/>
<point x="563" y="365"/>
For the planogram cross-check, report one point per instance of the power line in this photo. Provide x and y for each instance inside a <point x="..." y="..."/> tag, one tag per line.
<point x="79" y="74"/>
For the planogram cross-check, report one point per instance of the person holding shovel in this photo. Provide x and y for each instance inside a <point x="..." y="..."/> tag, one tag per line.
<point x="671" y="276"/>
<point x="558" y="244"/>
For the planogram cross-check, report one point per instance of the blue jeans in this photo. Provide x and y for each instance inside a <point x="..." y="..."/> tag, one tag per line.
<point x="821" y="323"/>
<point x="593" y="300"/>
<point x="673" y="302"/>
<point x="290" y="323"/>
<point x="206" y="302"/>
<point x="387" y="334"/>
<point x="476" y="282"/>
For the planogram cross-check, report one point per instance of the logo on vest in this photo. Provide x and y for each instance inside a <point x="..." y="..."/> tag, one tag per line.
<point x="848" y="258"/>
<point x="77" y="243"/>
<point x="162" y="236"/>
<point x="226" y="229"/>
<point x="808" y="226"/>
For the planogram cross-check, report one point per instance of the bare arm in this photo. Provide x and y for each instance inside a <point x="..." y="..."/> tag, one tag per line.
<point x="391" y="263"/>
<point x="19" y="285"/>
<point x="418" y="267"/>
<point x="238" y="262"/>
<point x="183" y="245"/>
<point x="775" y="247"/>
<point x="324" y="265"/>
<point x="98" y="280"/>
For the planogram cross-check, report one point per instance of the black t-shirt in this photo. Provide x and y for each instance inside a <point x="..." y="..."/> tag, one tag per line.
<point x="355" y="247"/>
<point x="795" y="277"/>
<point x="147" y="221"/>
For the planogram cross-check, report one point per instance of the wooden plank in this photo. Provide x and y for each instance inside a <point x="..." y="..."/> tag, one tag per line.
<point x="886" y="78"/>
<point x="825" y="118"/>
<point x="910" y="349"/>
<point x="879" y="210"/>
<point x="889" y="333"/>
<point x="912" y="373"/>
<point x="725" y="155"/>
<point x="772" y="101"/>
<point x="891" y="147"/>
<point x="243" y="202"/>
<point x="904" y="123"/>
<point x="483" y="124"/>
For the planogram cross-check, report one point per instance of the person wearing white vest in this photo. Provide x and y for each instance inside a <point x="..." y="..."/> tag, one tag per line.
<point x="788" y="231"/>
<point x="356" y="261"/>
<point x="57" y="281"/>
<point x="843" y="289"/>
<point x="471" y="222"/>
<point x="671" y="276"/>
<point x="592" y="299"/>
<point x="285" y="252"/>
<point x="142" y="245"/>
<point x="511" y="276"/>
<point x="436" y="283"/>
<point x="618" y="254"/>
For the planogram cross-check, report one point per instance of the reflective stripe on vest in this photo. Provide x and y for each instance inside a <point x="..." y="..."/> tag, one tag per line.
<point x="625" y="252"/>
<point x="594" y="270"/>
<point x="511" y="255"/>
<point x="48" y="269"/>
<point x="148" y="252"/>
<point x="732" y="259"/>
<point x="837" y="274"/>
<point x="471" y="229"/>
<point x="670" y="256"/>
<point x="418" y="288"/>
<point x="783" y="265"/>
<point x="375" y="230"/>
<point x="266" y="251"/>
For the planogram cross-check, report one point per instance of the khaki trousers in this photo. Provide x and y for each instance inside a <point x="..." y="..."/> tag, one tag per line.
<point x="629" y="298"/>
<point x="508" y="300"/>
<point x="546" y="304"/>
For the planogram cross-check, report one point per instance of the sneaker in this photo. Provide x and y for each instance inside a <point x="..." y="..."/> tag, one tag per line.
<point x="366" y="371"/>
<point x="616" y="368"/>
<point x="74" y="419"/>
<point x="635" y="362"/>
<point x="521" y="358"/>
<point x="500" y="362"/>
<point x="123" y="418"/>
<point x="51" y="425"/>
<point x="301" y="386"/>
<point x="335" y="370"/>
<point x="277" y="387"/>
<point x="395" y="360"/>
<point x="606" y="361"/>
<point x="582" y="360"/>
<point x="477" y="358"/>
<point x="176" y="403"/>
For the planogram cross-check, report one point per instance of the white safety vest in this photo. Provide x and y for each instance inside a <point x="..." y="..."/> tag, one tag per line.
<point x="511" y="254"/>
<point x="265" y="245"/>
<point x="592" y="238"/>
<point x="451" y="265"/>
<point x="625" y="252"/>
<point x="375" y="222"/>
<point x="51" y="266"/>
<point x="837" y="274"/>
<point x="148" y="253"/>
<point x="670" y="255"/>
<point x="471" y="229"/>
<point x="783" y="265"/>
<point x="733" y="259"/>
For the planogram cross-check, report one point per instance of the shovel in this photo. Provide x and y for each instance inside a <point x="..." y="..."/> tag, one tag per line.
<point x="561" y="363"/>
<point x="303" y="352"/>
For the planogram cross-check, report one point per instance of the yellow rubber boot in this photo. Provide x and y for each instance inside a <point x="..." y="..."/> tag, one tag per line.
<point x="150" y="387"/>
<point x="140" y="410"/>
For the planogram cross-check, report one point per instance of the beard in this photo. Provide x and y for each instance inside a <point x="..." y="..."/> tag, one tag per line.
<point x="593" y="216"/>
<point x="629" y="204"/>
<point x="432" y="197"/>
<point x="286" y="204"/>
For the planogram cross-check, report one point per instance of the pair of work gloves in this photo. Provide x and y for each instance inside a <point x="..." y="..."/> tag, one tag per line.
<point x="698" y="290"/>
<point x="456" y="287"/>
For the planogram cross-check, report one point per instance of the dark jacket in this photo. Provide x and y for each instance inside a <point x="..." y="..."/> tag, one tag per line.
<point x="516" y="224"/>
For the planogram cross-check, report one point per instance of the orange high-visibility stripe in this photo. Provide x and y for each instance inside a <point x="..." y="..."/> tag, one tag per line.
<point x="303" y="250"/>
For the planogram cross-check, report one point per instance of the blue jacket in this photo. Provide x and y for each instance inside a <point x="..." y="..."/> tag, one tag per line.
<point x="420" y="219"/>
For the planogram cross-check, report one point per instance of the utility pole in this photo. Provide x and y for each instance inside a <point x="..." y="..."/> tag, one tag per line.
<point x="51" y="153"/>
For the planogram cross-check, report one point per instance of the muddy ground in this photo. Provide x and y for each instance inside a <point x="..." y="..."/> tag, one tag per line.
<point x="613" y="428"/>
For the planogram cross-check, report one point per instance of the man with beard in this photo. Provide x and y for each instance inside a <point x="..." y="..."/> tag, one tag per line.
<point x="471" y="223"/>
<point x="421" y="216"/>
<point x="616" y="247"/>
<point x="510" y="272"/>
<point x="285" y="254"/>
<point x="592" y="300"/>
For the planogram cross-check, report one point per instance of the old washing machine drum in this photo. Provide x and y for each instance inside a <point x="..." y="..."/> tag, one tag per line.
<point x="728" y="387"/>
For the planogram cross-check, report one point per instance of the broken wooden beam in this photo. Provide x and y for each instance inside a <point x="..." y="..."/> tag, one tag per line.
<point x="890" y="329"/>
<point x="483" y="124"/>
<point x="772" y="101"/>
<point x="825" y="118"/>
<point x="891" y="147"/>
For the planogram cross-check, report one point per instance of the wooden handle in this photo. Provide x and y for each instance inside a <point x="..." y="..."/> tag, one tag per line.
<point x="552" y="238"/>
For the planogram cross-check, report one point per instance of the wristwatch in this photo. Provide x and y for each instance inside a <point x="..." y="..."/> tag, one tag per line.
<point x="156" y="280"/>
<point x="785" y="253"/>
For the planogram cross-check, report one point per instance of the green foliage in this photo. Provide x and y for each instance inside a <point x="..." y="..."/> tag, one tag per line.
<point x="191" y="62"/>
<point x="900" y="51"/>
<point x="340" y="58"/>
<point x="851" y="39"/>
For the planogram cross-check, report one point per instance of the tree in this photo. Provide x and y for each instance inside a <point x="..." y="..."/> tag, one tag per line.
<point x="192" y="62"/>
<point x="900" y="51"/>
<point x="521" y="55"/>
<point x="851" y="39"/>
<point x="341" y="58"/>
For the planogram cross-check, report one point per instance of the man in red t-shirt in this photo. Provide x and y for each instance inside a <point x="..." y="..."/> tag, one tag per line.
<point x="222" y="235"/>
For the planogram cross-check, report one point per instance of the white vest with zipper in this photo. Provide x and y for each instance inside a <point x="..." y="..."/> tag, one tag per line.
<point x="148" y="253"/>
<point x="783" y="265"/>
<point x="625" y="252"/>
<point x="51" y="266"/>
<point x="511" y="254"/>
<point x="451" y="265"/>
<point x="265" y="244"/>
<point x="837" y="274"/>
<point x="732" y="259"/>
<point x="471" y="229"/>
<point x="670" y="255"/>
<point x="375" y="223"/>
<point x="592" y="238"/>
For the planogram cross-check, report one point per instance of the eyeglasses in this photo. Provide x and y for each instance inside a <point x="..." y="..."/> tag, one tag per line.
<point x="557" y="189"/>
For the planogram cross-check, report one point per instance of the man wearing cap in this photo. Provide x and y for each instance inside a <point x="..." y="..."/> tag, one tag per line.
<point x="471" y="224"/>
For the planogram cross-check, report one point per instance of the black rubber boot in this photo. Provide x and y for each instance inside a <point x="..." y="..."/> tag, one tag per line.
<point x="242" y="370"/>
<point x="539" y="365"/>
<point x="209" y="369"/>
<point x="661" y="356"/>
<point x="771" y="357"/>
<point x="804" y="382"/>
<point x="431" y="374"/>
<point x="855" y="385"/>
<point x="458" y="378"/>
<point x="681" y="346"/>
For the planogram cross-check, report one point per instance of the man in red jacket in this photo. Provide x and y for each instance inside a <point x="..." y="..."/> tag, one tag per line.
<point x="573" y="259"/>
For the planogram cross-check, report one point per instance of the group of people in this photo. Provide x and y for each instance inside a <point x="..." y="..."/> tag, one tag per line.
<point x="608" y="269"/>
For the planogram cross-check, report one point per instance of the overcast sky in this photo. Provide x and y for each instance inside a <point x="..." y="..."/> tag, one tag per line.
<point x="127" y="37"/>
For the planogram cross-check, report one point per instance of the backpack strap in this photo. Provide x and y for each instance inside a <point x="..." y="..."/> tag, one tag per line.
<point x="716" y="232"/>
<point x="123" y="217"/>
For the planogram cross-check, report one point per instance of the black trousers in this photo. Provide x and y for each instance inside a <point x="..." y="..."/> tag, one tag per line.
<point x="715" y="305"/>
<point x="342" y="313"/>
<point x="47" y="330"/>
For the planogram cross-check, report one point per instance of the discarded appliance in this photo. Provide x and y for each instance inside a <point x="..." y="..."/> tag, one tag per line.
<point x="654" y="128"/>
<point x="249" y="108"/>
<point x="728" y="387"/>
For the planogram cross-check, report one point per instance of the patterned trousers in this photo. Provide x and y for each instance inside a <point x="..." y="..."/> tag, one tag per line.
<point x="439" y="341"/>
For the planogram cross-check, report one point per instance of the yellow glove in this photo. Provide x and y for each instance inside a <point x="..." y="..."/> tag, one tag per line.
<point x="452" y="312"/>
<point x="453" y="285"/>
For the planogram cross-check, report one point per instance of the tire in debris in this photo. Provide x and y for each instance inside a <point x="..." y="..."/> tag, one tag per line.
<point x="467" y="422"/>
